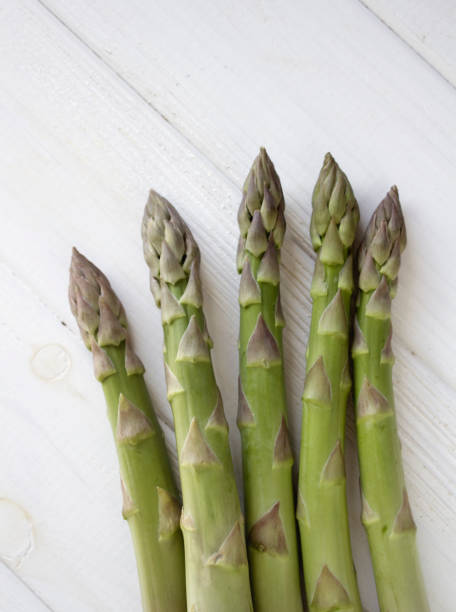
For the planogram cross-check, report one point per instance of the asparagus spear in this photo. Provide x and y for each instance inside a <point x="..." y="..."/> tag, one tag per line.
<point x="262" y="418"/>
<point x="217" y="574"/>
<point x="322" y="506"/>
<point x="386" y="511"/>
<point x="149" y="494"/>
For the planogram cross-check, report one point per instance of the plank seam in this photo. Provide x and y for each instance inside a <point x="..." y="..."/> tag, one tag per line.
<point x="27" y="586"/>
<point x="134" y="90"/>
<point x="406" y="42"/>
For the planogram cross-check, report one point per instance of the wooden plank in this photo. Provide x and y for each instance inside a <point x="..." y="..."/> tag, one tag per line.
<point x="79" y="150"/>
<point x="428" y="27"/>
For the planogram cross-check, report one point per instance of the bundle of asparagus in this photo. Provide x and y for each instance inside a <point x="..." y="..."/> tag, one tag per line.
<point x="216" y="574"/>
<point x="150" y="502"/>
<point x="262" y="417"/>
<point x="212" y="523"/>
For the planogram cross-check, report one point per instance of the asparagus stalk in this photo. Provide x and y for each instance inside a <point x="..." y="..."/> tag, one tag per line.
<point x="329" y="572"/>
<point x="262" y="418"/>
<point x="386" y="511"/>
<point x="217" y="574"/>
<point x="149" y="494"/>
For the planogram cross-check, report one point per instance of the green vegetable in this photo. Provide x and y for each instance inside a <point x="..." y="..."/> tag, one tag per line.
<point x="329" y="572"/>
<point x="386" y="511"/>
<point x="213" y="527"/>
<point x="150" y="502"/>
<point x="262" y="418"/>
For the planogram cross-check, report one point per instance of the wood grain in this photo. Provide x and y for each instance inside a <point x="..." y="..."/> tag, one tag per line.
<point x="97" y="104"/>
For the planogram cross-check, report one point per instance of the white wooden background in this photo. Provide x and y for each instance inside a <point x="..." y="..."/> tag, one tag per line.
<point x="100" y="101"/>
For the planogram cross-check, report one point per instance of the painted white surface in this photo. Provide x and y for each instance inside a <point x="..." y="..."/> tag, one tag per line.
<point x="428" y="26"/>
<point x="99" y="102"/>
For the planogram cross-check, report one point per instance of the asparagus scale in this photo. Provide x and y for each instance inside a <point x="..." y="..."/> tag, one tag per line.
<point x="150" y="502"/>
<point x="329" y="572"/>
<point x="387" y="516"/>
<point x="262" y="417"/>
<point x="217" y="574"/>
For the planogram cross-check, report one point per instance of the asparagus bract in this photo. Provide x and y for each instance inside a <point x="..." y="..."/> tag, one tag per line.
<point x="322" y="506"/>
<point x="150" y="503"/>
<point x="262" y="419"/>
<point x="215" y="553"/>
<point x="386" y="511"/>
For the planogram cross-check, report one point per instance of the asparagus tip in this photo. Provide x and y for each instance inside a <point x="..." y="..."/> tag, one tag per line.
<point x="260" y="214"/>
<point x="384" y="240"/>
<point x="170" y="250"/>
<point x="333" y="204"/>
<point x="96" y="308"/>
<point x="328" y="159"/>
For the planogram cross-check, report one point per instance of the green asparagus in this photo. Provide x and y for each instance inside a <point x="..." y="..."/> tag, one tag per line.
<point x="386" y="511"/>
<point x="329" y="572"/>
<point x="262" y="418"/>
<point x="217" y="575"/>
<point x="150" y="503"/>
